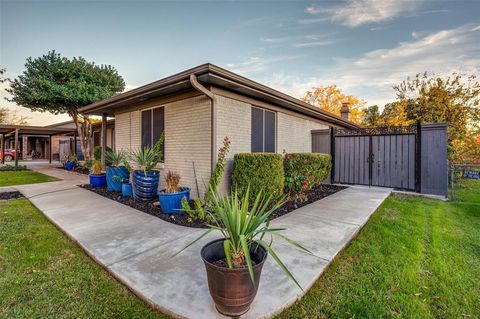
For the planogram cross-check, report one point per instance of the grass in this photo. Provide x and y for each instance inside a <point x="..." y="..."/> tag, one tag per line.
<point x="23" y="177"/>
<point x="45" y="275"/>
<point x="415" y="258"/>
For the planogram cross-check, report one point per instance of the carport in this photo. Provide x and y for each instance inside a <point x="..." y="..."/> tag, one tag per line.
<point x="23" y="132"/>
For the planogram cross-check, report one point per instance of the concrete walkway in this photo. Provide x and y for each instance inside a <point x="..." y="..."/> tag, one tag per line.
<point x="136" y="247"/>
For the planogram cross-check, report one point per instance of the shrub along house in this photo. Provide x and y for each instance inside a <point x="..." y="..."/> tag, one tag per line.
<point x="196" y="109"/>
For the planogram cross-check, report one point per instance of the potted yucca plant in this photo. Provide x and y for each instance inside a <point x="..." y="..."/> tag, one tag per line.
<point x="172" y="195"/>
<point x="116" y="172"/>
<point x="145" y="180"/>
<point x="97" y="176"/>
<point x="234" y="263"/>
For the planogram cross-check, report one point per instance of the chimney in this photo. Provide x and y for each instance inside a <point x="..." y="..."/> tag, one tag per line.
<point x="344" y="111"/>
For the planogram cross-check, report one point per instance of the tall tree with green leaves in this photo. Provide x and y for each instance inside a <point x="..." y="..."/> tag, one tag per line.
<point x="56" y="84"/>
<point x="454" y="100"/>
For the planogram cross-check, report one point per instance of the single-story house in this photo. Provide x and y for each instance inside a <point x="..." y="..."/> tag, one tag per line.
<point x="197" y="108"/>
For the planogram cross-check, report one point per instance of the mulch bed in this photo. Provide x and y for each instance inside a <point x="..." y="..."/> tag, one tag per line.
<point x="10" y="195"/>
<point x="78" y="169"/>
<point x="152" y="208"/>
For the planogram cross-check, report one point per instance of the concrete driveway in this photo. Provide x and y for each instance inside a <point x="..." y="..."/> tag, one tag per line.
<point x="136" y="248"/>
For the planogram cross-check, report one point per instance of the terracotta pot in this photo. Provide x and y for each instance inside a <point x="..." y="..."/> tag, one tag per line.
<point x="232" y="290"/>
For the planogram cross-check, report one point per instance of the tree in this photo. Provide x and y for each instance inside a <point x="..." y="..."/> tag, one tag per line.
<point x="372" y="116"/>
<point x="454" y="100"/>
<point x="330" y="99"/>
<point x="56" y="84"/>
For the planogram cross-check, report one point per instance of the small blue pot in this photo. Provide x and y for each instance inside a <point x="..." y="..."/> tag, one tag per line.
<point x="97" y="181"/>
<point x="127" y="189"/>
<point x="69" y="165"/>
<point x="145" y="184"/>
<point x="171" y="203"/>
<point x="114" y="184"/>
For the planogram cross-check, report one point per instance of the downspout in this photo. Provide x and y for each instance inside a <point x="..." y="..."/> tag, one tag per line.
<point x="197" y="86"/>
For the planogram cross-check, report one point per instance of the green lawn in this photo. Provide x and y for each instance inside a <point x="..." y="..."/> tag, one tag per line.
<point x="23" y="177"/>
<point x="415" y="258"/>
<point x="44" y="275"/>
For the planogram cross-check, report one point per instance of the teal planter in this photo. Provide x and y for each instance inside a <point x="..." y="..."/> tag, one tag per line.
<point x="171" y="203"/>
<point x="127" y="190"/>
<point x="115" y="177"/>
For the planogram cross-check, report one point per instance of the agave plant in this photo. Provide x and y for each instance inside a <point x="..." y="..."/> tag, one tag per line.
<point x="148" y="157"/>
<point x="116" y="158"/>
<point x="244" y="227"/>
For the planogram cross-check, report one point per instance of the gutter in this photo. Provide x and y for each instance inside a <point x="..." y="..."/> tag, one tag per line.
<point x="213" y="143"/>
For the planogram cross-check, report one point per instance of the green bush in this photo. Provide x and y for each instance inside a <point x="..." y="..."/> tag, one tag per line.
<point x="262" y="171"/>
<point x="10" y="168"/>
<point x="305" y="170"/>
<point x="97" y="154"/>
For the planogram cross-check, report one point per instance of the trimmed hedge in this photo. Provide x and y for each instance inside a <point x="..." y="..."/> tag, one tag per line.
<point x="262" y="171"/>
<point x="305" y="170"/>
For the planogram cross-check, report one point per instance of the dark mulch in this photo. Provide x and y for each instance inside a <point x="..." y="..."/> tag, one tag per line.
<point x="148" y="207"/>
<point x="10" y="195"/>
<point x="152" y="208"/>
<point x="78" y="169"/>
<point x="316" y="193"/>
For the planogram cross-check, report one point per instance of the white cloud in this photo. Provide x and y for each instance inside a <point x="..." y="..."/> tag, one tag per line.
<point x="256" y="64"/>
<point x="354" y="13"/>
<point x="372" y="75"/>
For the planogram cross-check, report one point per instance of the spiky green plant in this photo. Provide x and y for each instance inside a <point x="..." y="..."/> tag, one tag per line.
<point x="148" y="157"/>
<point x="115" y="158"/>
<point x="244" y="227"/>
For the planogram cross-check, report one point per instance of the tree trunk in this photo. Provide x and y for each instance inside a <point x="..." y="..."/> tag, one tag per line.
<point x="84" y="129"/>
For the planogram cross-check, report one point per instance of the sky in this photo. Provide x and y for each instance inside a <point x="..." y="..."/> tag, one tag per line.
<point x="363" y="46"/>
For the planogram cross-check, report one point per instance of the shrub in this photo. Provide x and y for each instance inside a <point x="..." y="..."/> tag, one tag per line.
<point x="262" y="171"/>
<point x="304" y="171"/>
<point x="97" y="154"/>
<point x="10" y="168"/>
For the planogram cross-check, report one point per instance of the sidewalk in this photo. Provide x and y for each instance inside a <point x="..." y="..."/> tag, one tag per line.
<point x="136" y="248"/>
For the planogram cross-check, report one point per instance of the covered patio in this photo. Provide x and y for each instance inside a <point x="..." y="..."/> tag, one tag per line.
<point x="30" y="142"/>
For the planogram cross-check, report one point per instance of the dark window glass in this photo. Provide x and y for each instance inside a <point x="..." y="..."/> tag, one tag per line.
<point x="158" y="125"/>
<point x="147" y="128"/>
<point x="96" y="139"/>
<point x="269" y="131"/>
<point x="257" y="130"/>
<point x="263" y="130"/>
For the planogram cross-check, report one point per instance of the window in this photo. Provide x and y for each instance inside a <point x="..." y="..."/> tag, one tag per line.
<point x="263" y="130"/>
<point x="153" y="124"/>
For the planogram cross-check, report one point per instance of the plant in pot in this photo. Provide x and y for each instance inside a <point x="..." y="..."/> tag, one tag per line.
<point x="172" y="195"/>
<point x="97" y="176"/>
<point x="126" y="185"/>
<point x="145" y="180"/>
<point x="234" y="262"/>
<point x="116" y="172"/>
<point x="69" y="162"/>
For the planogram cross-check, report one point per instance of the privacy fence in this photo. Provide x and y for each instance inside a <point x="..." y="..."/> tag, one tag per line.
<point x="412" y="158"/>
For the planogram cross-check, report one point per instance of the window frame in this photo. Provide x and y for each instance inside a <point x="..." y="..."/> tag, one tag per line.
<point x="275" y="139"/>
<point x="152" y="143"/>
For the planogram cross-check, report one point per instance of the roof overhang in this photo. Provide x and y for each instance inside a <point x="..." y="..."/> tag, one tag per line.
<point x="211" y="75"/>
<point x="33" y="130"/>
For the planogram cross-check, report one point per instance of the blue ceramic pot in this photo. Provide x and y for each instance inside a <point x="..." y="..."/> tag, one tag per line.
<point x="127" y="189"/>
<point x="69" y="165"/>
<point x="97" y="181"/>
<point x="145" y="184"/>
<point x="115" y="183"/>
<point x="171" y="203"/>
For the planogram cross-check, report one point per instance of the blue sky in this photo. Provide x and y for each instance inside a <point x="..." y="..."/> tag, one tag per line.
<point x="363" y="46"/>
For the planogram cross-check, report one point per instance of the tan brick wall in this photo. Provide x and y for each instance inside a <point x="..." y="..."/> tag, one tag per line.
<point x="233" y="119"/>
<point x="127" y="132"/>
<point x="188" y="139"/>
<point x="294" y="133"/>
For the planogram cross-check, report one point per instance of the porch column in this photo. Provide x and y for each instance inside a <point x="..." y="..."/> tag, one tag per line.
<point x="74" y="151"/>
<point x="2" y="148"/>
<point x="103" y="135"/>
<point x="16" y="147"/>
<point x="50" y="151"/>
